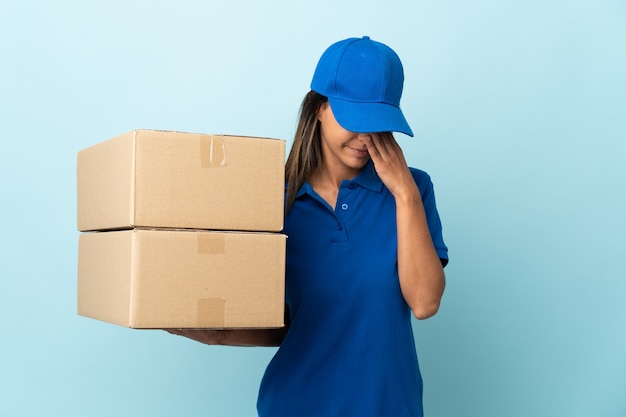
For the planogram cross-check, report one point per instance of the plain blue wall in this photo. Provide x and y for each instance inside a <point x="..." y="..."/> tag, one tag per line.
<point x="519" y="113"/>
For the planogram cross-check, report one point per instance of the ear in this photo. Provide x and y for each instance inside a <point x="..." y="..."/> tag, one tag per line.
<point x="323" y="107"/>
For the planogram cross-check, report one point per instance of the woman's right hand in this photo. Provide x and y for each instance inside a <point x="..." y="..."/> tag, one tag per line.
<point x="208" y="337"/>
<point x="234" y="337"/>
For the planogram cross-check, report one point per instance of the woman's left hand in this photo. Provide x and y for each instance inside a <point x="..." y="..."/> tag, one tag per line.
<point x="390" y="164"/>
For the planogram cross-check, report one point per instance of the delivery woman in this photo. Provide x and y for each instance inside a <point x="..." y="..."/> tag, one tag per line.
<point x="365" y="250"/>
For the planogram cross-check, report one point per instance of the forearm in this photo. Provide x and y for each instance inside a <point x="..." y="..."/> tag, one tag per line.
<point x="422" y="279"/>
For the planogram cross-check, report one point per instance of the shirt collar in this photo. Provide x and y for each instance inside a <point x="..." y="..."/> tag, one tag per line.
<point x="367" y="178"/>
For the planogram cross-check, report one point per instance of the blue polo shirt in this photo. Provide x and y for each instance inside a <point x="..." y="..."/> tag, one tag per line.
<point x="349" y="350"/>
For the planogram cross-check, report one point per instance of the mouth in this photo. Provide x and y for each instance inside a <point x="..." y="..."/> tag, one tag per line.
<point x="361" y="153"/>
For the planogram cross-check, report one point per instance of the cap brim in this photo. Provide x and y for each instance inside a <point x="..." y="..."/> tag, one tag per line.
<point x="369" y="117"/>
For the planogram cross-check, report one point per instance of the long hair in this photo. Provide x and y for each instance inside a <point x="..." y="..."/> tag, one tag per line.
<point x="306" y="153"/>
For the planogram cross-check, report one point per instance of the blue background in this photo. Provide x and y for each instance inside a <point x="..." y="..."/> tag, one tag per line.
<point x="519" y="112"/>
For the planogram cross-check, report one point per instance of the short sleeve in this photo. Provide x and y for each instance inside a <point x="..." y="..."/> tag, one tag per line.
<point x="425" y="185"/>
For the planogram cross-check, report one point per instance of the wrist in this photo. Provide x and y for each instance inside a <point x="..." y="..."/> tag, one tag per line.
<point x="408" y="194"/>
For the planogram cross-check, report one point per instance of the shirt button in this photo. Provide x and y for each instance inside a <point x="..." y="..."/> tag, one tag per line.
<point x="352" y="186"/>
<point x="344" y="207"/>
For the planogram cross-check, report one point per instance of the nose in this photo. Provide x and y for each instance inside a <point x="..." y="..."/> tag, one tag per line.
<point x="365" y="136"/>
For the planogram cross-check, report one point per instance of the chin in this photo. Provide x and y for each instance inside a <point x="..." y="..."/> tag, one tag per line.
<point x="359" y="164"/>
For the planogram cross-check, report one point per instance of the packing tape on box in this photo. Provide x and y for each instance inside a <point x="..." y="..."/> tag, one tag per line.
<point x="211" y="312"/>
<point x="213" y="151"/>
<point x="211" y="243"/>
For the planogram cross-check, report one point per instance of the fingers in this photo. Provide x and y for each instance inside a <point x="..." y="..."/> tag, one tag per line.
<point x="383" y="147"/>
<point x="376" y="146"/>
<point x="372" y="148"/>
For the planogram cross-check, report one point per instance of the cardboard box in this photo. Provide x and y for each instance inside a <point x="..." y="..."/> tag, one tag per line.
<point x="160" y="179"/>
<point x="182" y="279"/>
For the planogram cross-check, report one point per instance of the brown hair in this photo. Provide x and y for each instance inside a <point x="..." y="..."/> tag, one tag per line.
<point x="306" y="153"/>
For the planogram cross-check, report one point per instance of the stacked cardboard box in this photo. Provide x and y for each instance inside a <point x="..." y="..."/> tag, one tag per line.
<point x="182" y="230"/>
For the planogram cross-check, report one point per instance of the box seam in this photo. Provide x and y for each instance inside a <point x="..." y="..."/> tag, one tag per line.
<point x="133" y="279"/>
<point x="133" y="182"/>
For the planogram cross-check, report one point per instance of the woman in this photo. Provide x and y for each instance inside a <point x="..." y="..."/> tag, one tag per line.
<point x="364" y="250"/>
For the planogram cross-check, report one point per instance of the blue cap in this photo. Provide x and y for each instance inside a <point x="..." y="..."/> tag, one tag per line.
<point x="363" y="81"/>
